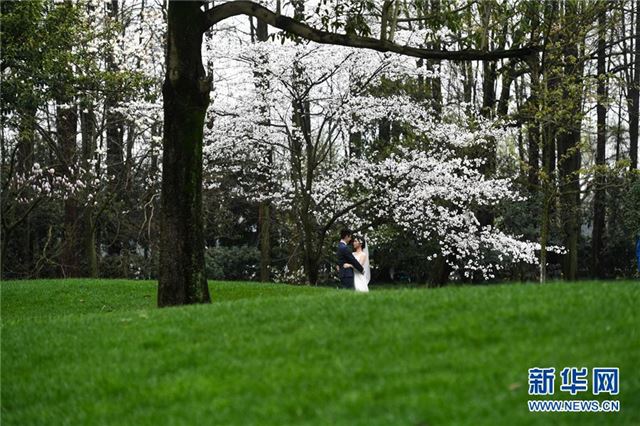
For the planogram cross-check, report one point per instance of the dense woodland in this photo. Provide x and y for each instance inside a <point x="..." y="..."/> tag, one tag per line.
<point x="468" y="140"/>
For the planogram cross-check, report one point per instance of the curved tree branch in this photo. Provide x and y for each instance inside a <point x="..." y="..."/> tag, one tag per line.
<point x="235" y="8"/>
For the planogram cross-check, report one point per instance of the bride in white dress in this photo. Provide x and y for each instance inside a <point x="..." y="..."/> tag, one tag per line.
<point x="361" y="253"/>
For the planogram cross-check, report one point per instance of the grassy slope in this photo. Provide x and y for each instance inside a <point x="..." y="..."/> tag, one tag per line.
<point x="98" y="352"/>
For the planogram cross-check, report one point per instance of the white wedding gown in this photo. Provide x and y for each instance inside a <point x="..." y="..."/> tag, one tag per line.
<point x="361" y="280"/>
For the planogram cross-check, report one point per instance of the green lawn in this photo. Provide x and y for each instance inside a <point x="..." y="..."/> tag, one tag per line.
<point x="99" y="352"/>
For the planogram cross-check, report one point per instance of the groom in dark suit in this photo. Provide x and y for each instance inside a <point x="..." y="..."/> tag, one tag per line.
<point x="344" y="255"/>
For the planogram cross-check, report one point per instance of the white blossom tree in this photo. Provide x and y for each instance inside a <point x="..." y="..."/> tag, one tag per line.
<point x="432" y="192"/>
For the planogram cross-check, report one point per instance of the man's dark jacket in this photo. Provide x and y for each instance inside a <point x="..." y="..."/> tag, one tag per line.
<point x="344" y="255"/>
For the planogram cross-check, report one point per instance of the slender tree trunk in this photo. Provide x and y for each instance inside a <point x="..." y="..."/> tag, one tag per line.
<point x="90" y="261"/>
<point x="67" y="122"/>
<point x="489" y="152"/>
<point x="488" y="67"/>
<point x="355" y="144"/>
<point x="24" y="164"/>
<point x="304" y="166"/>
<point x="533" y="127"/>
<point x="264" y="213"/>
<point x="182" y="278"/>
<point x="634" y="95"/>
<point x="436" y="82"/>
<point x="468" y="82"/>
<point x="505" y="92"/>
<point x="384" y="133"/>
<point x="569" y="159"/>
<point x="548" y="136"/>
<point x="265" y="241"/>
<point x="599" y="182"/>
<point x="619" y="129"/>
<point x="115" y="141"/>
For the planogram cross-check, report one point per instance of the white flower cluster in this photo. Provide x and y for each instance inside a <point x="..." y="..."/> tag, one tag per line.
<point x="82" y="184"/>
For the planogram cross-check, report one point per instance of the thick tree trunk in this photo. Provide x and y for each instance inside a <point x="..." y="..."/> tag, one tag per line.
<point x="182" y="278"/>
<point x="488" y="88"/>
<point x="599" y="196"/>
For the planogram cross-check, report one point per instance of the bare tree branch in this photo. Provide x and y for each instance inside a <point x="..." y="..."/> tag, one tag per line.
<point x="235" y="8"/>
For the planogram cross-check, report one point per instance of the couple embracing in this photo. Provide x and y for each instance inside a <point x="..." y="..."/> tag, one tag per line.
<point x="353" y="268"/>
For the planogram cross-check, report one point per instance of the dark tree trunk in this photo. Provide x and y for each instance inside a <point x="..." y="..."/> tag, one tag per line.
<point x="182" y="278"/>
<point x="384" y="133"/>
<point x="533" y="127"/>
<point x="634" y="95"/>
<point x="569" y="158"/>
<point x="599" y="182"/>
<point x="129" y="160"/>
<point x="265" y="241"/>
<point x="311" y="258"/>
<point x="115" y="141"/>
<point x="488" y="88"/>
<point x="533" y="107"/>
<point x="488" y="67"/>
<point x="24" y="163"/>
<point x="66" y="126"/>
<point x="468" y="82"/>
<point x="355" y="138"/>
<point x="439" y="274"/>
<point x="355" y="144"/>
<point x="533" y="138"/>
<point x="507" y="79"/>
<point x="115" y="138"/>
<point x="305" y="165"/>
<point x="264" y="213"/>
<point x="548" y="137"/>
<point x="486" y="215"/>
<point x="436" y="82"/>
<point x="89" y="261"/>
<point x="26" y="134"/>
